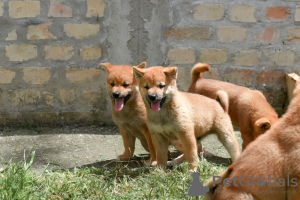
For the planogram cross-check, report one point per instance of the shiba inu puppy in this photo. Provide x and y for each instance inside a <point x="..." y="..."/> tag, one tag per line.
<point x="174" y="115"/>
<point x="129" y="112"/>
<point x="248" y="109"/>
<point x="272" y="161"/>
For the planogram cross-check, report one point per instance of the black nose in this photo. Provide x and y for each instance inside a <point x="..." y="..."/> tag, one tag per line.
<point x="152" y="97"/>
<point x="116" y="94"/>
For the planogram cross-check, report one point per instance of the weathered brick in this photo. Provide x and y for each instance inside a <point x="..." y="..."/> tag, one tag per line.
<point x="239" y="77"/>
<point x="231" y="34"/>
<point x="189" y="33"/>
<point x="297" y="15"/>
<point x="12" y="35"/>
<point x="81" y="31"/>
<point x="276" y="97"/>
<point x="57" y="9"/>
<point x="6" y="76"/>
<point x="270" y="78"/>
<point x="39" y="32"/>
<point x="239" y="13"/>
<point x="184" y="74"/>
<point x="67" y="96"/>
<point x="50" y="100"/>
<point x="181" y="56"/>
<point x="283" y="58"/>
<point x="90" y="53"/>
<point x="293" y="36"/>
<point x="278" y="13"/>
<point x="54" y="52"/>
<point x="95" y="8"/>
<point x="24" y="97"/>
<point x="36" y="75"/>
<point x="209" y="12"/>
<point x="1" y="8"/>
<point x="24" y="9"/>
<point x="212" y="74"/>
<point x="20" y="53"/>
<point x="246" y="58"/>
<point x="92" y="98"/>
<point x="213" y="56"/>
<point x="82" y="75"/>
<point x="269" y="36"/>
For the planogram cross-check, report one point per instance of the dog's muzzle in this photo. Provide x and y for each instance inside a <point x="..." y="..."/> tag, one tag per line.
<point x="119" y="100"/>
<point x="156" y="102"/>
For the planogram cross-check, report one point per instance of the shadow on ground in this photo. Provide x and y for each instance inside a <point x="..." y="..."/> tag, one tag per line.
<point x="69" y="147"/>
<point x="138" y="162"/>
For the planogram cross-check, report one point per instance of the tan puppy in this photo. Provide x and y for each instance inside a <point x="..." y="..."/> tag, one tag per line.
<point x="176" y="115"/>
<point x="248" y="109"/>
<point x="272" y="159"/>
<point x="129" y="112"/>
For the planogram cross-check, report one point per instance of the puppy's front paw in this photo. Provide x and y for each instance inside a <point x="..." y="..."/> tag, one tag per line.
<point x="149" y="162"/>
<point x="123" y="158"/>
<point x="154" y="163"/>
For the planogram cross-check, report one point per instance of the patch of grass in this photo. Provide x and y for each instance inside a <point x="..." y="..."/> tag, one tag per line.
<point x="17" y="182"/>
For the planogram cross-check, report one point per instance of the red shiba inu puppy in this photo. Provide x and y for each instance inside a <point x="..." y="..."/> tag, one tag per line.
<point x="269" y="168"/>
<point x="129" y="112"/>
<point x="174" y="115"/>
<point x="248" y="109"/>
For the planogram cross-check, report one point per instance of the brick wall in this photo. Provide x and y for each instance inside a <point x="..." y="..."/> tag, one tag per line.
<point x="50" y="50"/>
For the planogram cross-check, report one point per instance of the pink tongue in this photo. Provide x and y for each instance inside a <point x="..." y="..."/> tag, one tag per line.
<point x="155" y="106"/>
<point x="119" y="104"/>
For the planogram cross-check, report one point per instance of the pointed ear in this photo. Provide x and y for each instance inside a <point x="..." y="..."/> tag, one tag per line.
<point x="138" y="73"/>
<point x="171" y="72"/>
<point x="107" y="66"/>
<point x="142" y="65"/>
<point x="262" y="124"/>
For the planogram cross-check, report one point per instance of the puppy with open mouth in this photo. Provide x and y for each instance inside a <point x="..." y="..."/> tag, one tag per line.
<point x="175" y="115"/>
<point x="129" y="112"/>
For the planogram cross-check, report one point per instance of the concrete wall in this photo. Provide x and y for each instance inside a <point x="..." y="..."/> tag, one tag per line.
<point x="50" y="50"/>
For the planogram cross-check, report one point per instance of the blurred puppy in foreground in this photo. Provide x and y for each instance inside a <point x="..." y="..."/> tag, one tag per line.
<point x="248" y="109"/>
<point x="269" y="168"/>
<point x="174" y="115"/>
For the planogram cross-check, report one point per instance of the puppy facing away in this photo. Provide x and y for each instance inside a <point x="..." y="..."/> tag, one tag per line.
<point x="129" y="112"/>
<point x="272" y="161"/>
<point x="248" y="109"/>
<point x="184" y="116"/>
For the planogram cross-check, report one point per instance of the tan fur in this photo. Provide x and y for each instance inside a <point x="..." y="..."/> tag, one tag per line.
<point x="132" y="119"/>
<point x="248" y="109"/>
<point x="182" y="116"/>
<point x="275" y="153"/>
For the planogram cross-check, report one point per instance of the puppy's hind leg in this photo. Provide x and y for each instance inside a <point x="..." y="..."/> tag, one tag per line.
<point x="228" y="139"/>
<point x="188" y="140"/>
<point x="226" y="136"/>
<point x="129" y="145"/>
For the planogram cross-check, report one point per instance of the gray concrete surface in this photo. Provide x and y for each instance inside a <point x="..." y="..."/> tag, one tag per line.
<point x="66" y="148"/>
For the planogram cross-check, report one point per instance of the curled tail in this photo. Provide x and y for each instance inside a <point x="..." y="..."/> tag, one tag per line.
<point x="222" y="98"/>
<point x="210" y="183"/>
<point x="198" y="69"/>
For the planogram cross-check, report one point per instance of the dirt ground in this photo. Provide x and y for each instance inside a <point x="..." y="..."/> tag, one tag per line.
<point x="66" y="148"/>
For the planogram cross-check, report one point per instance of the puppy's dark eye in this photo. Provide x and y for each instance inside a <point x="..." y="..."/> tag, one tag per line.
<point x="161" y="86"/>
<point x="112" y="84"/>
<point x="147" y="87"/>
<point x="125" y="85"/>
